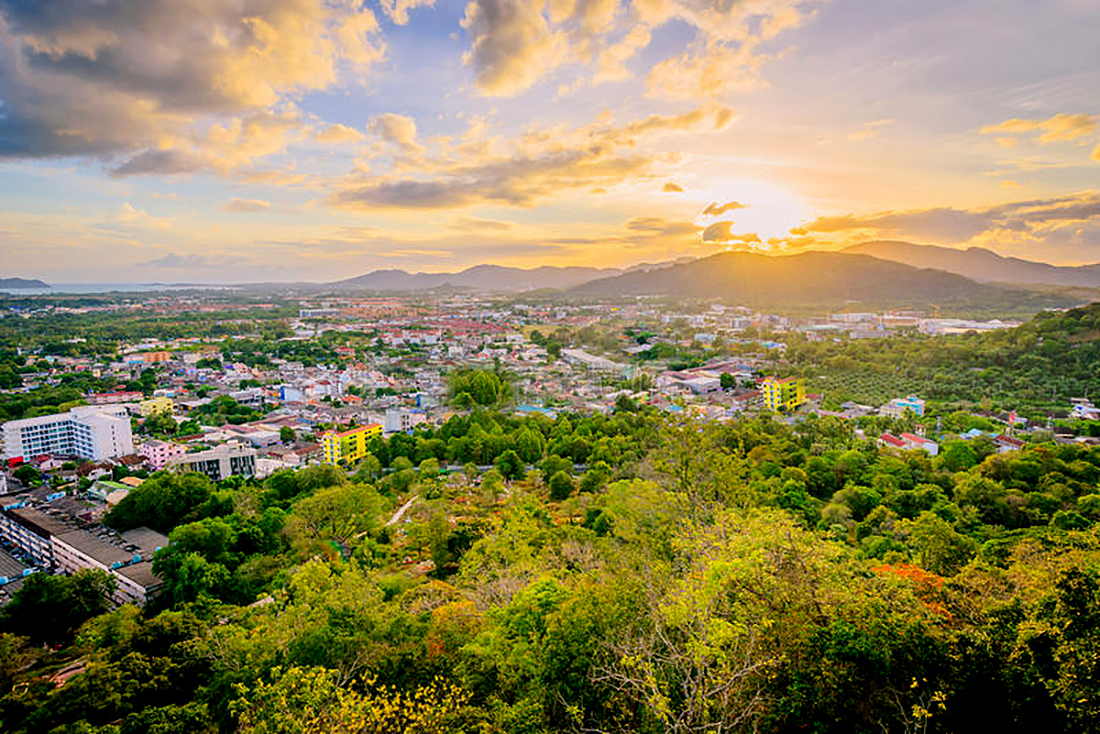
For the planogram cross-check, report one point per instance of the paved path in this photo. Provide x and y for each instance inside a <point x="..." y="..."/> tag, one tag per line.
<point x="401" y="512"/>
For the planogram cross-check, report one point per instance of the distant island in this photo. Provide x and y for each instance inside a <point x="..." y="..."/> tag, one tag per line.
<point x="12" y="283"/>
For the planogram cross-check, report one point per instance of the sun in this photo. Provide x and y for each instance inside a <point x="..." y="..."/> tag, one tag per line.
<point x="768" y="210"/>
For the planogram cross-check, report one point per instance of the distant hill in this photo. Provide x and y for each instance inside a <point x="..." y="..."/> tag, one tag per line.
<point x="479" y="277"/>
<point x="817" y="279"/>
<point x="20" y="283"/>
<point x="977" y="263"/>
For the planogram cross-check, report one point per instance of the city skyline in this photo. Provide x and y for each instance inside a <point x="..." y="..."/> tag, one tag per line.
<point x="300" y="140"/>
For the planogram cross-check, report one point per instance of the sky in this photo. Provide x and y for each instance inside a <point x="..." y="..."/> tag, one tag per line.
<point x="280" y="140"/>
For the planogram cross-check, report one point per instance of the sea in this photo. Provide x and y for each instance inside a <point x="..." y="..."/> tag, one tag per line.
<point x="92" y="288"/>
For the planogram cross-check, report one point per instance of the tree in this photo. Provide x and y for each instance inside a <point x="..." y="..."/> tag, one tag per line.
<point x="287" y="434"/>
<point x="510" y="465"/>
<point x="561" y="486"/>
<point x="161" y="423"/>
<point x="337" y="515"/>
<point x="50" y="608"/>
<point x="939" y="548"/>
<point x="28" y="475"/>
<point x="727" y="380"/>
<point x="161" y="502"/>
<point x="312" y="700"/>
<point x="958" y="456"/>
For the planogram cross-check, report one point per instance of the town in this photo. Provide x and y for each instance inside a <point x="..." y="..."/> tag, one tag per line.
<point x="337" y="373"/>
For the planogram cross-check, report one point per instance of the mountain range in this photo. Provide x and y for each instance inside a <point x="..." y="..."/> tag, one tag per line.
<point x="489" y="278"/>
<point x="814" y="278"/>
<point x="980" y="264"/>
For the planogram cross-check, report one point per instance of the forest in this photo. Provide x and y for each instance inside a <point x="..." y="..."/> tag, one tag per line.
<point x="623" y="573"/>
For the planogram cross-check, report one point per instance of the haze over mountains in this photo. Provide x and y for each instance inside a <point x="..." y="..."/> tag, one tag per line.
<point x="490" y="278"/>
<point x="810" y="279"/>
<point x="980" y="264"/>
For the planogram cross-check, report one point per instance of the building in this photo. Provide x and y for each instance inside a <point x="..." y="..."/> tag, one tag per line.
<point x="916" y="443"/>
<point x="108" y="398"/>
<point x="300" y="454"/>
<point x="591" y="361"/>
<point x="318" y="313"/>
<point x="896" y="408"/>
<point x="222" y="462"/>
<point x="402" y="420"/>
<point x="1005" y="443"/>
<point x="348" y="446"/>
<point x="55" y="541"/>
<point x="783" y="395"/>
<point x="890" y="441"/>
<point x="159" y="453"/>
<point x="31" y="529"/>
<point x="155" y="406"/>
<point x="155" y="357"/>
<point x="94" y="432"/>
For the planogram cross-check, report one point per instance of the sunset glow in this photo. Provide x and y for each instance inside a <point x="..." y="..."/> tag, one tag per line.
<point x="300" y="139"/>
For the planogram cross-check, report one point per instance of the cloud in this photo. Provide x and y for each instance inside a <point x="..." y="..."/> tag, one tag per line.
<point x="471" y="224"/>
<point x="337" y="133"/>
<point x="398" y="10"/>
<point x="869" y="130"/>
<point x="160" y="162"/>
<point x="660" y="226"/>
<point x="173" y="260"/>
<point x="717" y="210"/>
<point x="511" y="45"/>
<point x="521" y="171"/>
<point x="1015" y="221"/>
<point x="516" y="43"/>
<point x="723" y="232"/>
<point x="397" y="130"/>
<point x="672" y="188"/>
<point x="712" y="71"/>
<point x="416" y="253"/>
<point x="246" y="205"/>
<point x="149" y="83"/>
<point x="1060" y="128"/>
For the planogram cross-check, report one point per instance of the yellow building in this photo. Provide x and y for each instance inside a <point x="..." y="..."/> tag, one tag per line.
<point x="349" y="446"/>
<point x="155" y="405"/>
<point x="783" y="395"/>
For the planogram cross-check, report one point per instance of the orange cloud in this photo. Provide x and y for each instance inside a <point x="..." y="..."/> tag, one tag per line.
<point x="1060" y="128"/>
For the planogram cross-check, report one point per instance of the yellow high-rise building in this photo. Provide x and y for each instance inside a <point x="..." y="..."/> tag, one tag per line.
<point x="783" y="395"/>
<point x="348" y="447"/>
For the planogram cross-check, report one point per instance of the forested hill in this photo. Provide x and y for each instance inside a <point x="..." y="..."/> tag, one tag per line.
<point x="21" y="283"/>
<point x="1042" y="364"/>
<point x="819" y="279"/>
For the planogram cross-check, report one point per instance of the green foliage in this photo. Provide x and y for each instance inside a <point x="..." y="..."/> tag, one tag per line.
<point x="161" y="502"/>
<point x="50" y="608"/>
<point x="561" y="486"/>
<point x="478" y="387"/>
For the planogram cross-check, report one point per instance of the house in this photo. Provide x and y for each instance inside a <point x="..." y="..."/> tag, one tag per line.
<point x="890" y="441"/>
<point x="1005" y="443"/>
<point x="896" y="408"/>
<point x="917" y="443"/>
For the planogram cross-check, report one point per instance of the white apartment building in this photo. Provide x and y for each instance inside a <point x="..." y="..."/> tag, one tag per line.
<point x="95" y="432"/>
<point x="219" y="463"/>
<point x="400" y="420"/>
